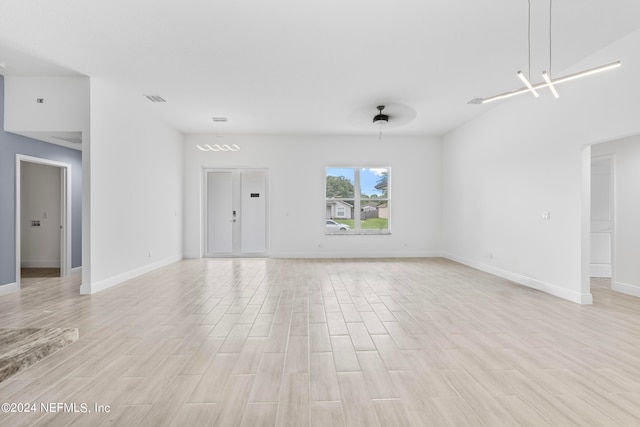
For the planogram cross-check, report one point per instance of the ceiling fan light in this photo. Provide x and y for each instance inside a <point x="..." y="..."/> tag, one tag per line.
<point x="381" y="119"/>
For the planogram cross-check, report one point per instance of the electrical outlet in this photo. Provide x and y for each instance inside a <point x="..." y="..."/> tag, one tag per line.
<point x="546" y="216"/>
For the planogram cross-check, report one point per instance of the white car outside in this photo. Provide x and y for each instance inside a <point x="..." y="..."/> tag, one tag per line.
<point x="333" y="226"/>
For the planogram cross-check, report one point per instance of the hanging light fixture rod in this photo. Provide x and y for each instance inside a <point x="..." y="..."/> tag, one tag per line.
<point x="547" y="79"/>
<point x="553" y="82"/>
<point x="527" y="84"/>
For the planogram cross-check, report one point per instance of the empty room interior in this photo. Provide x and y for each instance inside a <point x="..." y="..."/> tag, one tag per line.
<point x="292" y="213"/>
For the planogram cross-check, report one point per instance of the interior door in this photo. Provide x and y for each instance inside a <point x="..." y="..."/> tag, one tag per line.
<point x="220" y="220"/>
<point x="236" y="213"/>
<point x="601" y="217"/>
<point x="254" y="212"/>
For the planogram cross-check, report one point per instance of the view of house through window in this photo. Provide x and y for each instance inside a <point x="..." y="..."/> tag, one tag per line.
<point x="357" y="200"/>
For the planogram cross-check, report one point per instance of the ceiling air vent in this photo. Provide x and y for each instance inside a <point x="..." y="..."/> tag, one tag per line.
<point x="155" y="98"/>
<point x="71" y="139"/>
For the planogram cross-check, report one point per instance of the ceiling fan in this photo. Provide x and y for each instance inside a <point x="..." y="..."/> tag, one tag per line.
<point x="380" y="119"/>
<point x="387" y="115"/>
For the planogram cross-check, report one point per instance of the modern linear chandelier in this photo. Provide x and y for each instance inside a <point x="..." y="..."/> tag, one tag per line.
<point x="218" y="147"/>
<point x="548" y="82"/>
<point x="220" y="122"/>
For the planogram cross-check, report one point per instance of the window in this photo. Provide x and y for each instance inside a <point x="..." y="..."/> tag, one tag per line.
<point x="357" y="200"/>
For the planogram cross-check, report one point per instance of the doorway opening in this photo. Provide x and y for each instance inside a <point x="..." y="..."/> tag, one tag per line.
<point x="43" y="218"/>
<point x="618" y="161"/>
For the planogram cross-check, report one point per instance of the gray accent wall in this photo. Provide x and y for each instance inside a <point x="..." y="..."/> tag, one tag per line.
<point x="10" y="145"/>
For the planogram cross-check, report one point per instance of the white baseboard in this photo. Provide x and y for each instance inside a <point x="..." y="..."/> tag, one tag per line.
<point x="9" y="288"/>
<point x="525" y="281"/>
<point x="192" y="256"/>
<point x="600" y="270"/>
<point x="92" y="288"/>
<point x="39" y="264"/>
<point x="329" y="255"/>
<point x="625" y="288"/>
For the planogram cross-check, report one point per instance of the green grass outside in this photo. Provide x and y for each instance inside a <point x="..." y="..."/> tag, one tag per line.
<point x="367" y="224"/>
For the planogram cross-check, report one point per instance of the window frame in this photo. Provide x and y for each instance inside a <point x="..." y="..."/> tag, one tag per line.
<point x="358" y="202"/>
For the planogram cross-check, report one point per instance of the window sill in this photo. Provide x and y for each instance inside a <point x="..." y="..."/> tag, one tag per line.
<point x="360" y="233"/>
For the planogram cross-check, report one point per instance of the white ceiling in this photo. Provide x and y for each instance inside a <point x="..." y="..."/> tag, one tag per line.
<point x="306" y="67"/>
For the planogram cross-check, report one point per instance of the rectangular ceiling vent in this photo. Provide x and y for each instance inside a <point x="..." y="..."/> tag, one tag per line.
<point x="155" y="98"/>
<point x="71" y="139"/>
<point x="219" y="119"/>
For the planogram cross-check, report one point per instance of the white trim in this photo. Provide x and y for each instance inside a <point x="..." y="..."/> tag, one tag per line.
<point x="65" y="219"/>
<point x="601" y="270"/>
<point x="525" y="281"/>
<point x="585" y="222"/>
<point x="9" y="288"/>
<point x="625" y="288"/>
<point x="614" y="217"/>
<point x="76" y="271"/>
<point x="357" y="193"/>
<point x="65" y="206"/>
<point x="369" y="255"/>
<point x="40" y="264"/>
<point x="193" y="255"/>
<point x="116" y="280"/>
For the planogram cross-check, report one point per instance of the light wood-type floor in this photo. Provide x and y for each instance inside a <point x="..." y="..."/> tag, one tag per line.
<point x="263" y="342"/>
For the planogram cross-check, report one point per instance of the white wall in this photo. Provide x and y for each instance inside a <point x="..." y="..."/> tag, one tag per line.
<point x="297" y="206"/>
<point x="63" y="112"/>
<point x="526" y="156"/>
<point x="40" y="193"/>
<point x="134" y="169"/>
<point x="626" y="154"/>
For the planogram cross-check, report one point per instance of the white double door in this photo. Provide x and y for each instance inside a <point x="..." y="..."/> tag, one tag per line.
<point x="235" y="212"/>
